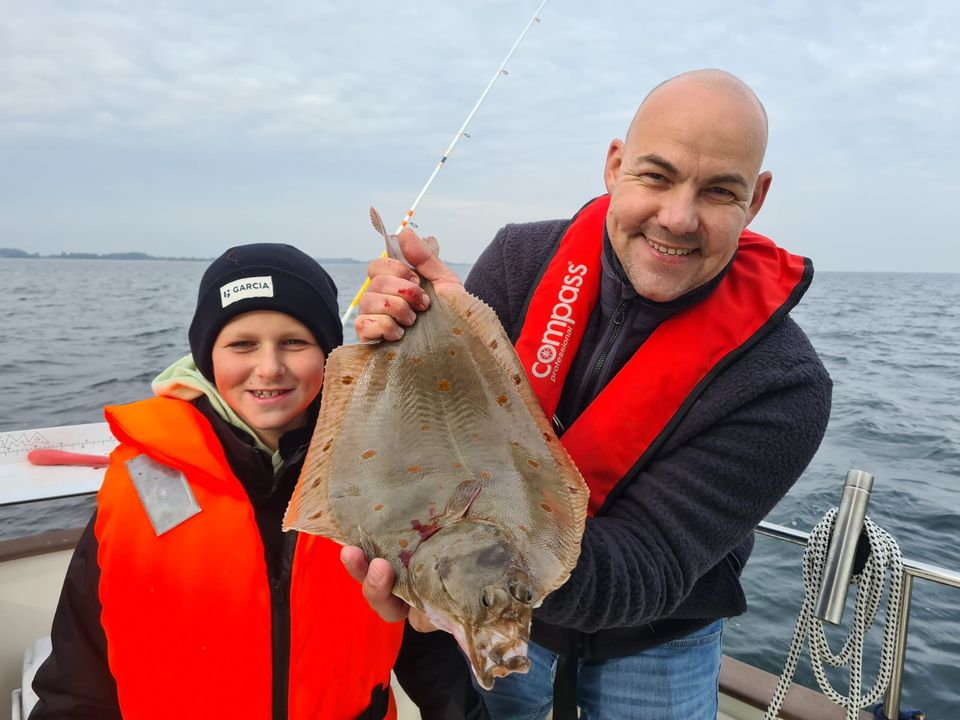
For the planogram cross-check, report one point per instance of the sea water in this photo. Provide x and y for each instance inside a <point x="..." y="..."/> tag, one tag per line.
<point x="78" y="334"/>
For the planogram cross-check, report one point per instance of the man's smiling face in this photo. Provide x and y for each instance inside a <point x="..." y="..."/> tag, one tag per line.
<point x="684" y="184"/>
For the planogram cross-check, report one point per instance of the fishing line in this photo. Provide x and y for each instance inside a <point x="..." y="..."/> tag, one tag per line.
<point x="446" y="153"/>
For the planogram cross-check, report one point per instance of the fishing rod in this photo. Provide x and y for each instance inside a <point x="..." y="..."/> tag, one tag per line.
<point x="446" y="154"/>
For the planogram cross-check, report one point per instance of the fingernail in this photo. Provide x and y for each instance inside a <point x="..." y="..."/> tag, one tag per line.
<point x="425" y="300"/>
<point x="374" y="575"/>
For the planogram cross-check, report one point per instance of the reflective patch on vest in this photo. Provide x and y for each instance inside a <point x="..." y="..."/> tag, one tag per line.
<point x="164" y="493"/>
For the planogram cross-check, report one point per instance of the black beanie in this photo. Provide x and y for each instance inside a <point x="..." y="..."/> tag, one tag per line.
<point x="263" y="276"/>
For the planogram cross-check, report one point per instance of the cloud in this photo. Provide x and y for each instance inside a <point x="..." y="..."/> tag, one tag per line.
<point x="311" y="72"/>
<point x="184" y="125"/>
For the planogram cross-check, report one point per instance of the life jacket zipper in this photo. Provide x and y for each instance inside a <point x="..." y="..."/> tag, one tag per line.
<point x="618" y="319"/>
<point x="590" y="379"/>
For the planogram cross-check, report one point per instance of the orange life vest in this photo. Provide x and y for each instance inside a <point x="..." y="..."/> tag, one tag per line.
<point x="642" y="404"/>
<point x="187" y="614"/>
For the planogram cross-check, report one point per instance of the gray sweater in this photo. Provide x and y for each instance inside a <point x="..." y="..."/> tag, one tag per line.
<point x="663" y="558"/>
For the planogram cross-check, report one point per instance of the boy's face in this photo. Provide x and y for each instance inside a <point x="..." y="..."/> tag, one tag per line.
<point x="268" y="368"/>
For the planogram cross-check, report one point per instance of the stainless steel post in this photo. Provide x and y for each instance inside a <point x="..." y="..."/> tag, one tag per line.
<point x="891" y="704"/>
<point x="843" y="546"/>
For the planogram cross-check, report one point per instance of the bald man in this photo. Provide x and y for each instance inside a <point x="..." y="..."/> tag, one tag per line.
<point x="654" y="329"/>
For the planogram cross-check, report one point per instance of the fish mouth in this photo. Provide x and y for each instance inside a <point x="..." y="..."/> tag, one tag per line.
<point x="494" y="654"/>
<point x="494" y="650"/>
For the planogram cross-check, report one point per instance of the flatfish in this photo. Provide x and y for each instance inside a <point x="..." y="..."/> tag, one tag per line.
<point x="433" y="453"/>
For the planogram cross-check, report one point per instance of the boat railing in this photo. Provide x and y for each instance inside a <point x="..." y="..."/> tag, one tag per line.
<point x="911" y="569"/>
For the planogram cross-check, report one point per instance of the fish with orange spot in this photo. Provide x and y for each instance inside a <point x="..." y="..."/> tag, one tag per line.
<point x="482" y="516"/>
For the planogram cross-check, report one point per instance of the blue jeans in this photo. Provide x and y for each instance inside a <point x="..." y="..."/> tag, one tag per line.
<point x="673" y="681"/>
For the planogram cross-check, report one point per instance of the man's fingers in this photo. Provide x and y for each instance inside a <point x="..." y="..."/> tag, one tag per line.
<point x="384" y="311"/>
<point x="394" y="296"/>
<point x="423" y="255"/>
<point x="372" y="328"/>
<point x="383" y="266"/>
<point x="355" y="562"/>
<point x="377" y="579"/>
<point x="403" y="292"/>
<point x="377" y="589"/>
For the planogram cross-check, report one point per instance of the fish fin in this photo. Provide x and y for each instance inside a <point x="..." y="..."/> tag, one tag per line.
<point x="370" y="547"/>
<point x="310" y="512"/>
<point x="310" y="509"/>
<point x="377" y="222"/>
<point x="568" y="494"/>
<point x="432" y="245"/>
<point x="461" y="500"/>
<point x="484" y="322"/>
<point x="392" y="241"/>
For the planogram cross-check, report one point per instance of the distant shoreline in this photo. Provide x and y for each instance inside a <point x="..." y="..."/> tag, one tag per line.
<point x="16" y="254"/>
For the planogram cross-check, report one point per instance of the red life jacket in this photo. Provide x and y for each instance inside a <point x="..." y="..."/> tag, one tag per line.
<point x="187" y="615"/>
<point x="642" y="404"/>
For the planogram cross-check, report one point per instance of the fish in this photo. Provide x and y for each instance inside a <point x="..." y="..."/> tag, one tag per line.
<point x="433" y="452"/>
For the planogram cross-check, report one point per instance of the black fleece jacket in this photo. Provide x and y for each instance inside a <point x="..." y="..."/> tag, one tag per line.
<point x="664" y="557"/>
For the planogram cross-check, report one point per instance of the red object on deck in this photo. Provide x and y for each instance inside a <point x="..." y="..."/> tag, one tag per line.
<point x="50" y="456"/>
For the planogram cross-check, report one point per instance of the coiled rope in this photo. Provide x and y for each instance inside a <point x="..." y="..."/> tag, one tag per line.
<point x="884" y="557"/>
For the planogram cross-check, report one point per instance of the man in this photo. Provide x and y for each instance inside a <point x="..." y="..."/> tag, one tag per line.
<point x="654" y="329"/>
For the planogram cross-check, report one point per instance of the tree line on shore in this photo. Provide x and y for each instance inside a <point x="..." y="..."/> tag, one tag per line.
<point x="17" y="253"/>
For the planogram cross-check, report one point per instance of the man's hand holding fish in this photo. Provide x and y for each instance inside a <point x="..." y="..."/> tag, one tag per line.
<point x="377" y="579"/>
<point x="395" y="297"/>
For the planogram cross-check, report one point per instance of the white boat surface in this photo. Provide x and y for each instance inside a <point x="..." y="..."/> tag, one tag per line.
<point x="23" y="482"/>
<point x="32" y="571"/>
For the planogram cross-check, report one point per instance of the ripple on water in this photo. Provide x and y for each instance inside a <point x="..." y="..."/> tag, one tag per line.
<point x="175" y="330"/>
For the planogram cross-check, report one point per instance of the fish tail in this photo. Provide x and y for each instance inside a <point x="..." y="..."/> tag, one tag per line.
<point x="392" y="241"/>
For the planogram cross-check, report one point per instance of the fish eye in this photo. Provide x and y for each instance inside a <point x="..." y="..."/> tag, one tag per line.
<point x="521" y="592"/>
<point x="488" y="597"/>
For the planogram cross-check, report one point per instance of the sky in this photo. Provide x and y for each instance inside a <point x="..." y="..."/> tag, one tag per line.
<point x="180" y="128"/>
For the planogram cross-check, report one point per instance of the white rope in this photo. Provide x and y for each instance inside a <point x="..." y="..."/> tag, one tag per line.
<point x="884" y="556"/>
